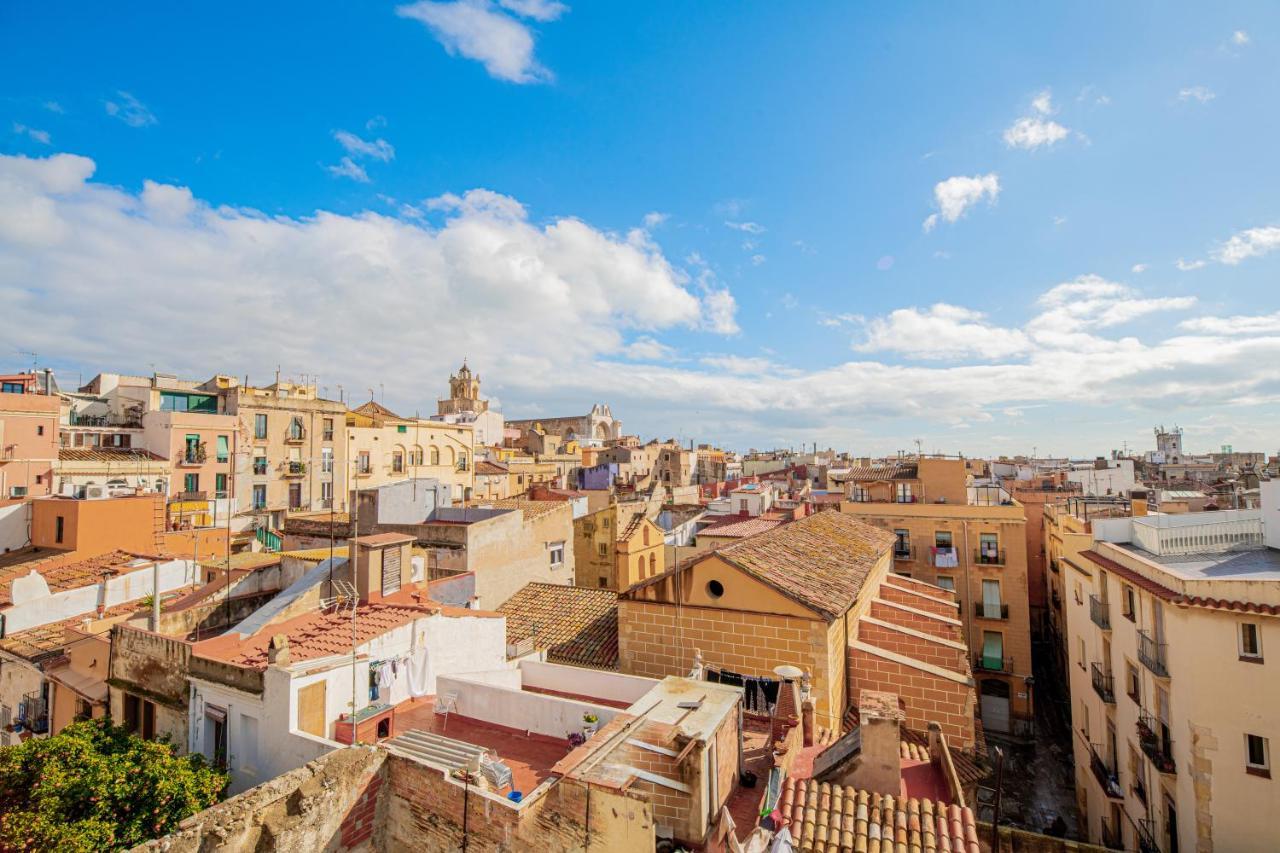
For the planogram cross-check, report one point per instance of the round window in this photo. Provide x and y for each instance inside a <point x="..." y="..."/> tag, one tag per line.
<point x="715" y="589"/>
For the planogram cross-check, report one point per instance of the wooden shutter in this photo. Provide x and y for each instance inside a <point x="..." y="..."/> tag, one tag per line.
<point x="311" y="714"/>
<point x="390" y="571"/>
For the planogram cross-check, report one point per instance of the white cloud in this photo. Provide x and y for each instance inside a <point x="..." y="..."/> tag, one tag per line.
<point x="54" y="107"/>
<point x="378" y="149"/>
<point x="744" y="365"/>
<point x="538" y="10"/>
<point x="653" y="219"/>
<point x="748" y="227"/>
<point x="1239" y="325"/>
<point x="1140" y="268"/>
<point x="956" y="194"/>
<point x="375" y="123"/>
<point x="348" y="168"/>
<point x="1203" y="94"/>
<point x="130" y="110"/>
<point x="941" y="332"/>
<point x="647" y="348"/>
<point x="41" y="136"/>
<point x="1031" y="132"/>
<point x="1188" y="266"/>
<point x="1251" y="243"/>
<point x="89" y="272"/>
<point x="1240" y="37"/>
<point x="479" y="30"/>
<point x="1059" y="221"/>
<point x="885" y="263"/>
<point x="757" y="260"/>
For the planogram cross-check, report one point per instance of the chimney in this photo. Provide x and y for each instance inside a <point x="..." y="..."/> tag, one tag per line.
<point x="278" y="651"/>
<point x="880" y="717"/>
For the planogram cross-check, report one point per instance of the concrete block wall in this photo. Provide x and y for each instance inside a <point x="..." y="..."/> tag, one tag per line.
<point x="920" y="648"/>
<point x="929" y="698"/>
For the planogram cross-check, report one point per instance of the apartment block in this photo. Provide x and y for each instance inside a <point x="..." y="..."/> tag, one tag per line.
<point x="970" y="540"/>
<point x="384" y="447"/>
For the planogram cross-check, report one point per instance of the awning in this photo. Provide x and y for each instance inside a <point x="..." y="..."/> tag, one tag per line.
<point x="91" y="688"/>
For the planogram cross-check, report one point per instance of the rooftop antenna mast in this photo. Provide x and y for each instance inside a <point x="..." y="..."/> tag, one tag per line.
<point x="919" y="448"/>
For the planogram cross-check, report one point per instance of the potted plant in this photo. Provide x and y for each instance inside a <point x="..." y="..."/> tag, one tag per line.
<point x="589" y="722"/>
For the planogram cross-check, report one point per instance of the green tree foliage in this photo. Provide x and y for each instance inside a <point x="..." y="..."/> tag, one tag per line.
<point x="95" y="786"/>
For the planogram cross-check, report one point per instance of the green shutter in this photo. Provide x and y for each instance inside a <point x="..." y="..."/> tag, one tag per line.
<point x="224" y="451"/>
<point x="993" y="650"/>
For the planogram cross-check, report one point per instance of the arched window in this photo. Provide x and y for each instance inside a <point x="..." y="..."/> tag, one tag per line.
<point x="646" y="537"/>
<point x="639" y="567"/>
<point x="435" y="455"/>
<point x="448" y="456"/>
<point x="415" y="455"/>
<point x="653" y="565"/>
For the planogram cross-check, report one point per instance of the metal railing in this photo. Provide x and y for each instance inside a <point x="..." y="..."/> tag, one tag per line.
<point x="194" y="455"/>
<point x="1103" y="684"/>
<point x="983" y="610"/>
<point x="1102" y="771"/>
<point x="992" y="664"/>
<point x="1147" y="835"/>
<point x="1153" y="738"/>
<point x="989" y="556"/>
<point x="1112" y="836"/>
<point x="903" y="552"/>
<point x="1152" y="654"/>
<point x="1100" y="612"/>
<point x="944" y="558"/>
<point x="295" y="434"/>
<point x="295" y="469"/>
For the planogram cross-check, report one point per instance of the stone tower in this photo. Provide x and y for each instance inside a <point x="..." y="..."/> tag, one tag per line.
<point x="464" y="394"/>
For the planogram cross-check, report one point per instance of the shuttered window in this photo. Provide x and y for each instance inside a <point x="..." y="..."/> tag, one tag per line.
<point x="390" y="571"/>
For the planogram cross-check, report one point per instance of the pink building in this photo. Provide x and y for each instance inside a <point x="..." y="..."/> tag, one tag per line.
<point x="28" y="439"/>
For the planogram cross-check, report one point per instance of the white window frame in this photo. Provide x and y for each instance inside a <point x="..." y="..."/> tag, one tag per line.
<point x="553" y="549"/>
<point x="1257" y="637"/>
<point x="946" y="582"/>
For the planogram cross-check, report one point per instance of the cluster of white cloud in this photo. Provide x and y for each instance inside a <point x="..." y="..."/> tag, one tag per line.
<point x="129" y="110"/>
<point x="957" y="194"/>
<point x="493" y="34"/>
<point x="1031" y="132"/>
<point x="1250" y="243"/>
<point x="357" y="149"/>
<point x="41" y="136"/>
<point x="119" y="278"/>
<point x="1201" y="94"/>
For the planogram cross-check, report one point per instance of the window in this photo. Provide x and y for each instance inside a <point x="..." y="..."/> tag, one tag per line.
<point x="435" y="456"/>
<point x="988" y="548"/>
<point x="605" y="523"/>
<point x="602" y="549"/>
<point x="13" y="388"/>
<point x="1128" y="603"/>
<point x="328" y="429"/>
<point x="1132" y="682"/>
<point x="397" y="462"/>
<point x="39" y="429"/>
<point x="295" y="496"/>
<point x="402" y="428"/>
<point x="39" y="479"/>
<point x="220" y="485"/>
<point x="180" y="401"/>
<point x="991" y="599"/>
<point x="1084" y="718"/>
<point x="653" y="565"/>
<point x="260" y="464"/>
<point x="17" y="491"/>
<point x="260" y="496"/>
<point x="993" y="650"/>
<point x="942" y="539"/>
<point x="604" y="583"/>
<point x="59" y="524"/>
<point x="362" y="462"/>
<point x="326" y="493"/>
<point x="1250" y="642"/>
<point x="224" y="449"/>
<point x="946" y="582"/>
<point x="259" y="426"/>
<point x="296" y="430"/>
<point x="192" y="453"/>
<point x="1081" y="661"/>
<point x="1257" y="755"/>
<point x="557" y="554"/>
<point x="904" y="493"/>
<point x="902" y="547"/>
<point x="860" y="494"/>
<point x="715" y="589"/>
<point x="326" y="460"/>
<point x="191" y="483"/>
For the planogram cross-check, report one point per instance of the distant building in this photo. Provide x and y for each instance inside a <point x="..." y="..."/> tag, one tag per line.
<point x="594" y="428"/>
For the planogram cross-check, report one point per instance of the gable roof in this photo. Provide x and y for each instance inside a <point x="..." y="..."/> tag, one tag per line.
<point x="873" y="473"/>
<point x="841" y="817"/>
<point x="64" y="570"/>
<point x="820" y="561"/>
<point x="737" y="527"/>
<point x="376" y="410"/>
<point x="484" y="466"/>
<point x="577" y="625"/>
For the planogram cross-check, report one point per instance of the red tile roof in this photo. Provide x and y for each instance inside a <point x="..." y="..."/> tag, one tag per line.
<point x="736" y="527"/>
<point x="63" y="570"/>
<point x="484" y="466"/>
<point x="106" y="454"/>
<point x="1161" y="591"/>
<point x="577" y="625"/>
<point x="825" y="817"/>
<point x="376" y="410"/>
<point x="874" y="473"/>
<point x="820" y="561"/>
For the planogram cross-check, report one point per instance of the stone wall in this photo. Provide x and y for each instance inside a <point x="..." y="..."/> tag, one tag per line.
<point x="929" y="697"/>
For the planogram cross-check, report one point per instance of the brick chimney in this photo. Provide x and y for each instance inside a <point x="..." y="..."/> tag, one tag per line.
<point x="278" y="651"/>
<point x="880" y="717"/>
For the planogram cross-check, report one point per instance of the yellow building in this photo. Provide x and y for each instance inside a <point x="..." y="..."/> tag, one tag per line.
<point x="383" y="447"/>
<point x="972" y="541"/>
<point x="595" y="548"/>
<point x="1169" y="628"/>
<point x="641" y="552"/>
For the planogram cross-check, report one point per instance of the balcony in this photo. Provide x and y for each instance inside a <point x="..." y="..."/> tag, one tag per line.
<point x="1100" y="612"/>
<point x="1152" y="654"/>
<point x="1106" y="777"/>
<point x="1112" y="836"/>
<point x="903" y="552"/>
<point x="1103" y="684"/>
<point x="181" y="497"/>
<point x="984" y="610"/>
<point x="295" y="435"/>
<point x="1053" y="566"/>
<point x="195" y="454"/>
<point x="1147" y="835"/>
<point x="260" y="468"/>
<point x="993" y="664"/>
<point x="295" y="469"/>
<point x="944" y="557"/>
<point x="364" y="472"/>
<point x="1153" y="737"/>
<point x="1140" y="790"/>
<point x="989" y="557"/>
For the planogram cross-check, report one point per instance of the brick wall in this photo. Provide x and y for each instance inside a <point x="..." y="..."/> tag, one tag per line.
<point x="928" y="698"/>
<point x="919" y="601"/>
<point x="357" y="826"/>
<point x="748" y="643"/>
<point x="918" y="621"/>
<point x="920" y="648"/>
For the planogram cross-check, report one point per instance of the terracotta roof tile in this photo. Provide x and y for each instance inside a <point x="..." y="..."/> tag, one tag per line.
<point x="872" y="473"/>
<point x="825" y="817"/>
<point x="377" y="410"/>
<point x="106" y="454"/>
<point x="736" y="527"/>
<point x="484" y="466"/>
<point x="62" y="570"/>
<point x="577" y="625"/>
<point x="820" y="561"/>
<point x="532" y="509"/>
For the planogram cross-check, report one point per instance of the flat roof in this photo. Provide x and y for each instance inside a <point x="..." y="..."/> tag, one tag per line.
<point x="1260" y="564"/>
<point x="717" y="700"/>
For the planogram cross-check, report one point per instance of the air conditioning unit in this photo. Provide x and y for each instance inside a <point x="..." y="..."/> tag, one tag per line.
<point x="95" y="493"/>
<point x="69" y="490"/>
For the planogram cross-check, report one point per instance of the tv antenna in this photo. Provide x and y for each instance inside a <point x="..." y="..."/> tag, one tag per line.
<point x="343" y="600"/>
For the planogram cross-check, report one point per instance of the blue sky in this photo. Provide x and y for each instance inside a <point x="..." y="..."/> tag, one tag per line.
<point x="990" y="228"/>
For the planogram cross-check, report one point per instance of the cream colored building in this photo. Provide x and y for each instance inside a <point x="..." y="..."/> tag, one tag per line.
<point x="383" y="447"/>
<point x="1172" y="629"/>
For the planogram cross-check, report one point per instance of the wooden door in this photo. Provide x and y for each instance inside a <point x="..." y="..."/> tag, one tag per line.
<point x="311" y="713"/>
